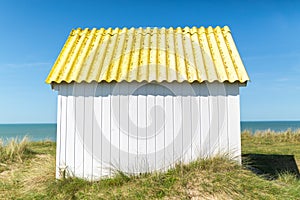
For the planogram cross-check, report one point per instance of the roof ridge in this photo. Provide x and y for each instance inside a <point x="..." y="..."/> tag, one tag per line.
<point x="186" y="30"/>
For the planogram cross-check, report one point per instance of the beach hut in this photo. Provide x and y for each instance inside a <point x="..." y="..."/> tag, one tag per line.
<point x="143" y="99"/>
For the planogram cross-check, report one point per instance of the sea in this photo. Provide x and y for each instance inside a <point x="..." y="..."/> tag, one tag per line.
<point x="38" y="132"/>
<point x="35" y="132"/>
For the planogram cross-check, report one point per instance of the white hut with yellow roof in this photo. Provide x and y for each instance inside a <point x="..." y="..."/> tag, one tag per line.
<point x="143" y="99"/>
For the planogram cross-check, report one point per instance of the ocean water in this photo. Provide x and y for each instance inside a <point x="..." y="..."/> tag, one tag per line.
<point x="37" y="132"/>
<point x="273" y="125"/>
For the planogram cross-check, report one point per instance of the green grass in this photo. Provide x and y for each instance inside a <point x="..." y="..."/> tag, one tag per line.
<point x="270" y="142"/>
<point x="30" y="174"/>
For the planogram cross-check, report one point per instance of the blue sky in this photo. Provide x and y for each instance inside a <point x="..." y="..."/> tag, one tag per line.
<point x="267" y="34"/>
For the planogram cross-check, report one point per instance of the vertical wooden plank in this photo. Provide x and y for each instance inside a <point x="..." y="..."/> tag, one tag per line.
<point x="151" y="123"/>
<point x="142" y="129"/>
<point x="133" y="129"/>
<point x="234" y="135"/>
<point x="115" y="126"/>
<point x="106" y="129"/>
<point x="199" y="133"/>
<point x="124" y="134"/>
<point x="223" y="134"/>
<point x="178" y="129"/>
<point x="196" y="123"/>
<point x="169" y="131"/>
<point x="58" y="132"/>
<point x="97" y="133"/>
<point x="88" y="130"/>
<point x="186" y="123"/>
<point x="79" y="125"/>
<point x="160" y="128"/>
<point x="70" y="139"/>
<point x="195" y="127"/>
<point x="205" y="121"/>
<point x="63" y="125"/>
<point x="214" y="115"/>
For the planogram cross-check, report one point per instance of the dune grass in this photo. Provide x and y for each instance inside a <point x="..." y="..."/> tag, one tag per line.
<point x="14" y="150"/>
<point x="31" y="175"/>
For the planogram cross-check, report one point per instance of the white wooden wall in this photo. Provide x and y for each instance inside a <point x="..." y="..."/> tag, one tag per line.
<point x="139" y="127"/>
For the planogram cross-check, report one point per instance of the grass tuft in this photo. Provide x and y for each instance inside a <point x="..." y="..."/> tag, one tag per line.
<point x="14" y="150"/>
<point x="272" y="136"/>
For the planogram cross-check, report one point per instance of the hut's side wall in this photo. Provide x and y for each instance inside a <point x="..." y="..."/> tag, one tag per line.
<point x="139" y="127"/>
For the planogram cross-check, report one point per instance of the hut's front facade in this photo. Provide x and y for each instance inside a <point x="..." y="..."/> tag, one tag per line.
<point x="140" y="100"/>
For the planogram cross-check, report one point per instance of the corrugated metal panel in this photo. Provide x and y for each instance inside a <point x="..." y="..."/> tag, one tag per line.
<point x="150" y="54"/>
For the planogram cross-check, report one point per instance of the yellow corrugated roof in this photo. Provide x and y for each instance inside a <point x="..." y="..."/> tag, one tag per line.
<point x="149" y="54"/>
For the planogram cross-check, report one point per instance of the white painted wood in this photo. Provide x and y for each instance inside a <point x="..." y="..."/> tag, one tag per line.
<point x="138" y="127"/>
<point x="133" y="142"/>
<point x="151" y="126"/>
<point x="178" y="130"/>
<point x="115" y="126"/>
<point x="214" y="121"/>
<point x="70" y="131"/>
<point x="169" y="131"/>
<point x="124" y="128"/>
<point x="234" y="136"/>
<point x="186" y="125"/>
<point x="106" y="130"/>
<point x="196" y="122"/>
<point x="205" y="117"/>
<point x="58" y="134"/>
<point x="159" y="129"/>
<point x="63" y="128"/>
<point x="97" y="133"/>
<point x="88" y="130"/>
<point x="79" y="127"/>
<point x="142" y="130"/>
<point x="223" y="121"/>
<point x="195" y="127"/>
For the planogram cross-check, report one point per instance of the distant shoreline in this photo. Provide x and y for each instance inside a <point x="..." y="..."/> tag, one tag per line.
<point x="43" y="131"/>
<point x="25" y="123"/>
<point x="273" y="121"/>
<point x="242" y="121"/>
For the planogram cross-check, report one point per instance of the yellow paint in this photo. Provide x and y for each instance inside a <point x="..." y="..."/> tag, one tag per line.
<point x="150" y="54"/>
